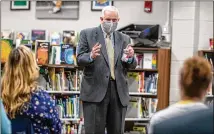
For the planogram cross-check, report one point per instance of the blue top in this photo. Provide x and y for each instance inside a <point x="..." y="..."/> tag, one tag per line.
<point x="5" y="122"/>
<point x="42" y="112"/>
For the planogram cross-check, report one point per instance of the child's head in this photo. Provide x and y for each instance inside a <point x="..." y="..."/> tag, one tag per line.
<point x="195" y="77"/>
<point x="19" y="79"/>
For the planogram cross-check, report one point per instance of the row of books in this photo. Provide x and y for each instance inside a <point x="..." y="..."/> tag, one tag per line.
<point x="141" y="107"/>
<point x="58" y="79"/>
<point x="71" y="107"/>
<point x="45" y="52"/>
<point x="48" y="54"/>
<point x="55" y="38"/>
<point x="138" y="128"/>
<point x="140" y="82"/>
<point x="70" y="128"/>
<point x="210" y="58"/>
<point x="147" y="60"/>
<point x="68" y="106"/>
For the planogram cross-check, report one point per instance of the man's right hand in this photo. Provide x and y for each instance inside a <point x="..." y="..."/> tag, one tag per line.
<point x="95" y="51"/>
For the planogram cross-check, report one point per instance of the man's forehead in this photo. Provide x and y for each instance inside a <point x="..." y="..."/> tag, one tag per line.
<point x="110" y="14"/>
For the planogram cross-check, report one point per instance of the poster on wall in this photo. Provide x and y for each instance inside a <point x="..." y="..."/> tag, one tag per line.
<point x="57" y="9"/>
<point x="20" y="5"/>
<point x="98" y="5"/>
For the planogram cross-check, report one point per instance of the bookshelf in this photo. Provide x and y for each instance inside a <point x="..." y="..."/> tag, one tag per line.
<point x="162" y="68"/>
<point x="161" y="92"/>
<point x="64" y="92"/>
<point x="137" y="119"/>
<point x="69" y="119"/>
<point x="209" y="55"/>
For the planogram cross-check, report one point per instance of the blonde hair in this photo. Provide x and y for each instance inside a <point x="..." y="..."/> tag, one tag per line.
<point x="19" y="79"/>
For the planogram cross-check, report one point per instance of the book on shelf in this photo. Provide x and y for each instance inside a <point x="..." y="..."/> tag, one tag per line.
<point x="147" y="60"/>
<point x="42" y="51"/>
<point x="142" y="82"/>
<point x="7" y="44"/>
<point x="58" y="52"/>
<point x="81" y="128"/>
<point x="68" y="106"/>
<point x="210" y="59"/>
<point x="138" y="128"/>
<point x="58" y="79"/>
<point x="70" y="128"/>
<point x="141" y="107"/>
<point x="38" y="35"/>
<point x="21" y="36"/>
<point x="55" y="38"/>
<point x="68" y="54"/>
<point x="54" y="55"/>
<point x="27" y="43"/>
<point x="7" y="34"/>
<point x="69" y="37"/>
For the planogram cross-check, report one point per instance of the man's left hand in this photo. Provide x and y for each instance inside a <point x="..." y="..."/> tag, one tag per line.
<point x="129" y="51"/>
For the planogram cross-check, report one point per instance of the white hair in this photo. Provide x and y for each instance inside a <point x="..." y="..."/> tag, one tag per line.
<point x="109" y="8"/>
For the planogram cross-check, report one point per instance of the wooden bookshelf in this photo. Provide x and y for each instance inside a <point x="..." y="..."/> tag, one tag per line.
<point x="164" y="63"/>
<point x="163" y="70"/>
<point x="201" y="52"/>
<point x="146" y="95"/>
<point x="145" y="49"/>
<point x="210" y="54"/>
<point x="59" y="66"/>
<point x="143" y="70"/>
<point x="137" y="119"/>
<point x="64" y="92"/>
<point x="69" y="119"/>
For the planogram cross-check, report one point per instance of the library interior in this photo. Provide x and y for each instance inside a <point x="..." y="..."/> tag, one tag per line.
<point x="107" y="67"/>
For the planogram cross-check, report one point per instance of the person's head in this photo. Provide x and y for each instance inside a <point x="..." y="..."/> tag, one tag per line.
<point x="195" y="78"/>
<point x="19" y="79"/>
<point x="109" y="19"/>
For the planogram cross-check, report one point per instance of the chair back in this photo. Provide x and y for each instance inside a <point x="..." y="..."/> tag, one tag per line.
<point x="22" y="125"/>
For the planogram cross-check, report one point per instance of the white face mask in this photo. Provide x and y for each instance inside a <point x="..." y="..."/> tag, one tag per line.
<point x="109" y="26"/>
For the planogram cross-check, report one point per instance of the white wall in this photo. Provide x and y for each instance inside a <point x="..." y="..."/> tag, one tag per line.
<point x="192" y="26"/>
<point x="206" y="24"/>
<point x="130" y="12"/>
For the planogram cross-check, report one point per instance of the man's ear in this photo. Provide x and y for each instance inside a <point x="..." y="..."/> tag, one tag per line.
<point x="101" y="19"/>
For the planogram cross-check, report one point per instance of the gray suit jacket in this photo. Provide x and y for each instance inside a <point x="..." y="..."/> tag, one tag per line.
<point x="96" y="74"/>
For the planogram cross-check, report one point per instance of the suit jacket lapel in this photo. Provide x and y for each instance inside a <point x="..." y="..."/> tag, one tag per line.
<point x="117" y="46"/>
<point x="100" y="38"/>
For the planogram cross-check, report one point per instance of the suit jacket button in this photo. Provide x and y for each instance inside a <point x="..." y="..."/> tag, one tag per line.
<point x="106" y="76"/>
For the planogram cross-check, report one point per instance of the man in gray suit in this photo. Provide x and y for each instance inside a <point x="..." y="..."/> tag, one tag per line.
<point x="104" y="89"/>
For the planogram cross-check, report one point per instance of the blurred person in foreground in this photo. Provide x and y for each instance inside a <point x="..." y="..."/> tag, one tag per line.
<point x="195" y="80"/>
<point x="21" y="95"/>
<point x="104" y="88"/>
<point x="196" y="122"/>
<point x="5" y="122"/>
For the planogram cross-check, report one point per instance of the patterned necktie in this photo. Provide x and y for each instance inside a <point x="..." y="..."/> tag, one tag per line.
<point x="110" y="51"/>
